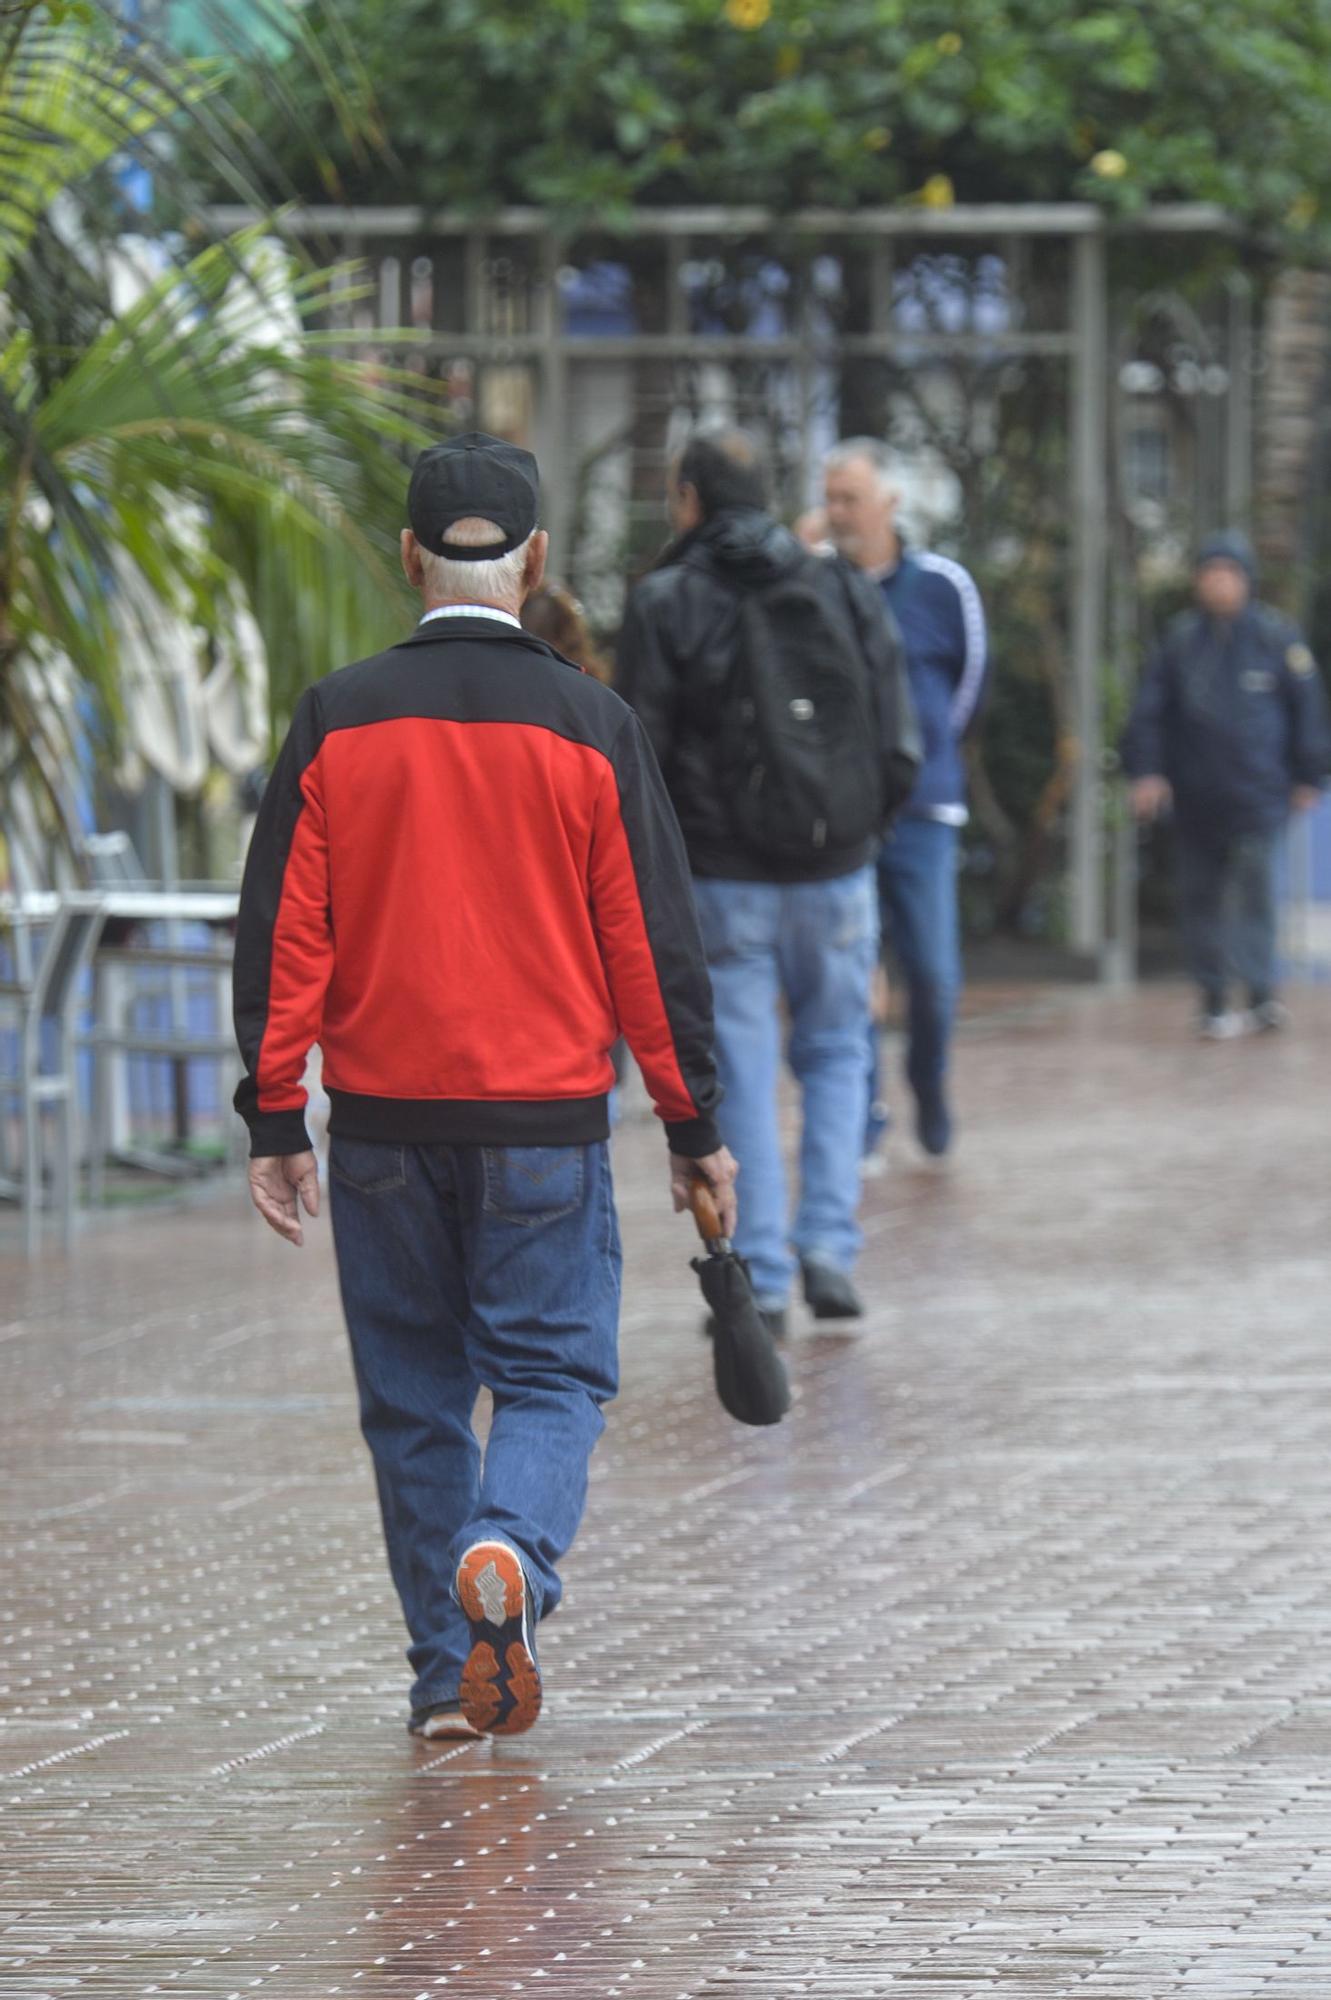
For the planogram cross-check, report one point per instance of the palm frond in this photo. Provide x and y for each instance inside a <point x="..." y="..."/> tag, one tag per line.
<point x="155" y="458"/>
<point x="66" y="108"/>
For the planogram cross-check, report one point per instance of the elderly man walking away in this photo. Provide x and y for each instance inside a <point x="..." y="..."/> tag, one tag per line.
<point x="770" y="686"/>
<point x="1230" y="728"/>
<point x="465" y="882"/>
<point x="938" y="612"/>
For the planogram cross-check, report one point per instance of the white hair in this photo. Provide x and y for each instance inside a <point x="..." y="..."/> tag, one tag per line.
<point x="492" y="578"/>
<point x="869" y="450"/>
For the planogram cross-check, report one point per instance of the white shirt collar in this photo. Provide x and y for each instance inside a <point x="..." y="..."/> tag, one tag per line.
<point x="471" y="611"/>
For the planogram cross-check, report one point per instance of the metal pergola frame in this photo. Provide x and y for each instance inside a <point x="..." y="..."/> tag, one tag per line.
<point x="1085" y="344"/>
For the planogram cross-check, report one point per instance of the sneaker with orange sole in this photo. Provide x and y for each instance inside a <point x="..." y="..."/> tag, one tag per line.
<point x="501" y="1682"/>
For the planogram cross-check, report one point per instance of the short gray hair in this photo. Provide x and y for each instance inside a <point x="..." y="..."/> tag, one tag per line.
<point x="488" y="577"/>
<point x="874" y="453"/>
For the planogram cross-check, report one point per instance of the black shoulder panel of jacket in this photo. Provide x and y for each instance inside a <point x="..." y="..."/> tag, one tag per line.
<point x="454" y="674"/>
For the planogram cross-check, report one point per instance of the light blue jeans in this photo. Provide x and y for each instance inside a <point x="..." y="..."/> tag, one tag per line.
<point x="917" y="881"/>
<point x="812" y="944"/>
<point x="463" y="1268"/>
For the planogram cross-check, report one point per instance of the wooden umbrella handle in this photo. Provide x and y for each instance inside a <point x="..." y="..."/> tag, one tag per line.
<point x="705" y="1212"/>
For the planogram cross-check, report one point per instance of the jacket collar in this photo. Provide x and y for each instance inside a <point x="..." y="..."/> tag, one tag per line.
<point x="447" y="631"/>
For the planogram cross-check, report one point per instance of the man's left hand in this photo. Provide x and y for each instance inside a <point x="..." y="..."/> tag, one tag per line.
<point x="719" y="1171"/>
<point x="280" y="1187"/>
<point x="1305" y="797"/>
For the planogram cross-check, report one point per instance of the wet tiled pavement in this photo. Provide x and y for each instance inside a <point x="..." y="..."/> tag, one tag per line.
<point x="1003" y="1667"/>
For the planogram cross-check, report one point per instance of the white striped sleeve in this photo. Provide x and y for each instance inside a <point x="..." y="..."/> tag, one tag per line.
<point x="975" y="659"/>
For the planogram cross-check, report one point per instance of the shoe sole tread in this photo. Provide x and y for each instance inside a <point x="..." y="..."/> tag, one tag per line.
<point x="501" y="1682"/>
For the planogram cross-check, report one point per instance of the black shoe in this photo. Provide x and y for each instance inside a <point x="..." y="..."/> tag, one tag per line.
<point x="772" y="1317"/>
<point x="933" y="1123"/>
<point x="829" y="1292"/>
<point x="1268" y="1017"/>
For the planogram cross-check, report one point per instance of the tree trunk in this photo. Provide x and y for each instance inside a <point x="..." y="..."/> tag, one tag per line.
<point x="1291" y="395"/>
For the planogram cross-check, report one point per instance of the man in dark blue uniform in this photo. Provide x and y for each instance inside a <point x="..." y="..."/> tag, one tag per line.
<point x="938" y="612"/>
<point x="1230" y="728"/>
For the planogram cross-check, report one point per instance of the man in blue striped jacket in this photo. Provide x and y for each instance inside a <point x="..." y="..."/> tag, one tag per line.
<point x="938" y="611"/>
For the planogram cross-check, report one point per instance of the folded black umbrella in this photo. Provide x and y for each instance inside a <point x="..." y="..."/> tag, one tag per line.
<point x="750" y="1375"/>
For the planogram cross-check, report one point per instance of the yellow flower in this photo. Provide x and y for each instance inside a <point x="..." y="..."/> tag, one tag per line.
<point x="949" y="44"/>
<point x="747" y="14"/>
<point x="938" y="191"/>
<point x="1110" y="166"/>
<point x="877" y="138"/>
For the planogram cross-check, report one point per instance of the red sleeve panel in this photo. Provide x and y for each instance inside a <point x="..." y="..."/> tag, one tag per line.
<point x="642" y="906"/>
<point x="284" y="943"/>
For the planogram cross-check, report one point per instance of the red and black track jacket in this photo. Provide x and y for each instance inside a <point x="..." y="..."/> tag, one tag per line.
<point x="466" y="881"/>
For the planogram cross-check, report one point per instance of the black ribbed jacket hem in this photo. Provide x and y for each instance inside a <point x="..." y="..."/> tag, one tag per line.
<point x="459" y="1121"/>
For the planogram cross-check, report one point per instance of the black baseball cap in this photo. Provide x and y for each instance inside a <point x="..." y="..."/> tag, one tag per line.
<point x="473" y="477"/>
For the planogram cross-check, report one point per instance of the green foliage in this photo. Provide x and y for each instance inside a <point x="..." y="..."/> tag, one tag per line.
<point x="589" y="106"/>
<point x="185" y="457"/>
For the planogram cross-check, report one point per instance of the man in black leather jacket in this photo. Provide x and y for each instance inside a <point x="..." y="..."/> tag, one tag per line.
<point x="803" y="931"/>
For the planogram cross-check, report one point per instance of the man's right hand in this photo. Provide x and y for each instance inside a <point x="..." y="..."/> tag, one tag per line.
<point x="280" y="1186"/>
<point x="1150" y="797"/>
<point x="718" y="1170"/>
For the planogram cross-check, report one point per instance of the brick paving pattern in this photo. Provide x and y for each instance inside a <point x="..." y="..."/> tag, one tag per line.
<point x="1003" y="1667"/>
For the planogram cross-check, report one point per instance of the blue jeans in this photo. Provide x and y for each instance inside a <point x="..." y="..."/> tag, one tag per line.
<point x="466" y="1268"/>
<point x="917" y="886"/>
<point x="813" y="943"/>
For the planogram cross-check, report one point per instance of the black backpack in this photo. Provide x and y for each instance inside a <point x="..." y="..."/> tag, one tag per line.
<point x="799" y="749"/>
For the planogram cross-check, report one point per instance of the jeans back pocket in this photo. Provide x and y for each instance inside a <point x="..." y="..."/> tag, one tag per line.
<point x="367" y="1165"/>
<point x="530" y="1185"/>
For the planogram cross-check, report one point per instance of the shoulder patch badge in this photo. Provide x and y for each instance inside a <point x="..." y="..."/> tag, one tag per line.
<point x="1299" y="660"/>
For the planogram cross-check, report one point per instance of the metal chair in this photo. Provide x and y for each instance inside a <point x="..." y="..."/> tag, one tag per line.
<point x="45" y="989"/>
<point x="119" y="975"/>
<point x="113" y="861"/>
